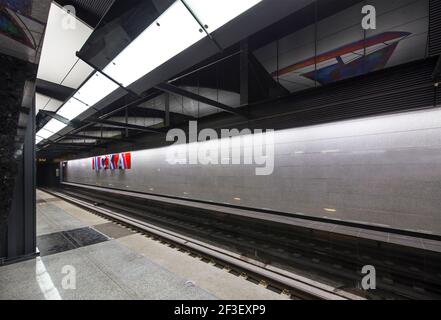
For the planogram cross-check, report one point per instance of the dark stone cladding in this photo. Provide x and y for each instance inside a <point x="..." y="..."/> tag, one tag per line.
<point x="13" y="75"/>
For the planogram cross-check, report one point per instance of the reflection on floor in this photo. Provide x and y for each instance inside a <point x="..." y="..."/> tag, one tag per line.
<point x="86" y="257"/>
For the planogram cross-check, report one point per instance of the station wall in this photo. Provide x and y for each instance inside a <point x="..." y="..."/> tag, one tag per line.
<point x="383" y="170"/>
<point x="339" y="48"/>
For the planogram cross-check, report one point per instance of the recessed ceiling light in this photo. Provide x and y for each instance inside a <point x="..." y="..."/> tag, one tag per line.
<point x="95" y="89"/>
<point x="177" y="30"/>
<point x="173" y="32"/>
<point x="72" y="109"/>
<point x="45" y="134"/>
<point x="51" y="128"/>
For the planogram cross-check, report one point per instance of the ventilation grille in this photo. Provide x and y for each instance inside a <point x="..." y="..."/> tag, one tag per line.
<point x="435" y="27"/>
<point x="397" y="89"/>
<point x="97" y="7"/>
<point x="90" y="11"/>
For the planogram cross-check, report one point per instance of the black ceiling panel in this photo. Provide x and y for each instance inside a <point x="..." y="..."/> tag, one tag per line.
<point x="53" y="90"/>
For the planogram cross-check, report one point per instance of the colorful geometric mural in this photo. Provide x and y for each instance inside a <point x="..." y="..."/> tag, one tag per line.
<point x="22" y="25"/>
<point x="339" y="48"/>
<point x="358" y="60"/>
<point x="22" y="6"/>
<point x="10" y="27"/>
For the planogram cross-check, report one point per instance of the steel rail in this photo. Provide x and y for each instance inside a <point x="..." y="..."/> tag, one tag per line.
<point x="300" y="285"/>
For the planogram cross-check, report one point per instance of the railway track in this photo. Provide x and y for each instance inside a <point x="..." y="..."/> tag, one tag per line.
<point x="283" y="257"/>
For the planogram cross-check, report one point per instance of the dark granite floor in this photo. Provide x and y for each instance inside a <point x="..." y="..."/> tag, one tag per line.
<point x="68" y="240"/>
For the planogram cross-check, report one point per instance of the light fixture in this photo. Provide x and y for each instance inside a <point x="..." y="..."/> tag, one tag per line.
<point x="95" y="89"/>
<point x="45" y="134"/>
<point x="54" y="126"/>
<point x="51" y="128"/>
<point x="72" y="109"/>
<point x="213" y="14"/>
<point x="173" y="32"/>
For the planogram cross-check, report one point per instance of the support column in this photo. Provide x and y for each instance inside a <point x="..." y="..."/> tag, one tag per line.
<point x="244" y="73"/>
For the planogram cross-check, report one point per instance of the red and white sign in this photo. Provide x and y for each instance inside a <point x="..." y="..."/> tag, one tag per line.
<point x="121" y="161"/>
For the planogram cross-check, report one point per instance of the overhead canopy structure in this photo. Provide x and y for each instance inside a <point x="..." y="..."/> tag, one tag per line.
<point x="179" y="27"/>
<point x="137" y="48"/>
<point x="157" y="64"/>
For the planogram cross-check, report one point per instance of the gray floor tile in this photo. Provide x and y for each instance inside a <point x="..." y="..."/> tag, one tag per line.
<point x="113" y="230"/>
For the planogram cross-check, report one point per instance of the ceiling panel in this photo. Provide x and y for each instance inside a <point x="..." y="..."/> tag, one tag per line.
<point x="59" y="63"/>
<point x="40" y="102"/>
<point x="43" y="102"/>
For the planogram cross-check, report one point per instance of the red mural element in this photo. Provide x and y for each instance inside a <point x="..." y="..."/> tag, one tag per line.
<point x="121" y="161"/>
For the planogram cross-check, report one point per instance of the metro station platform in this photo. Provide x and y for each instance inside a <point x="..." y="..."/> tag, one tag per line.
<point x="220" y="152"/>
<point x="110" y="261"/>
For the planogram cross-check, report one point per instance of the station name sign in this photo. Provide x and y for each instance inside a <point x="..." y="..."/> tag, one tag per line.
<point x="120" y="161"/>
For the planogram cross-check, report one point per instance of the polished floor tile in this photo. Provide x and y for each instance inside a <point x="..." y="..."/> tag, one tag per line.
<point x="108" y="270"/>
<point x="52" y="219"/>
<point x="221" y="284"/>
<point x="81" y="215"/>
<point x="139" y="275"/>
<point x="113" y="230"/>
<point x="42" y="279"/>
<point x="130" y="266"/>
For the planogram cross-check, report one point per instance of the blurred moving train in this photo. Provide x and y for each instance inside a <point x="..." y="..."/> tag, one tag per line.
<point x="383" y="170"/>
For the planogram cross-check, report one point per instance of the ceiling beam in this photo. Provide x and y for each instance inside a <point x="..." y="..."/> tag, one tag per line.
<point x="56" y="116"/>
<point x="124" y="125"/>
<point x="80" y="136"/>
<point x="69" y="146"/>
<point x="156" y="113"/>
<point x="53" y="90"/>
<point x="169" y="88"/>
